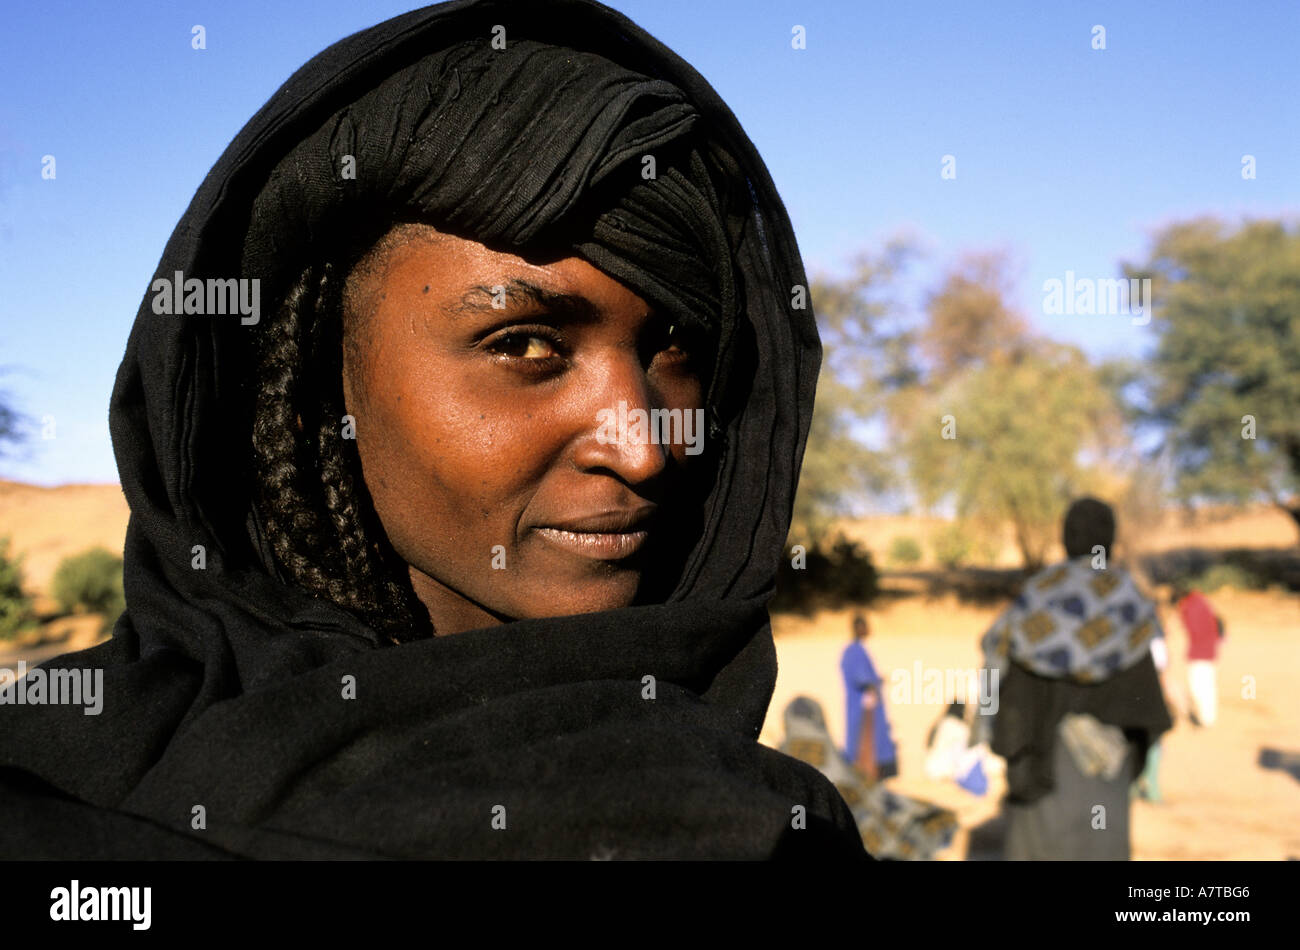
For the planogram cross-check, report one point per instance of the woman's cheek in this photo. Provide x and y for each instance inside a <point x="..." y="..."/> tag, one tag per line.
<point x="471" y="446"/>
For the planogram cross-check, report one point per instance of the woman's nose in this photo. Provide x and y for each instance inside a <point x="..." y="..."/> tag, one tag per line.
<point x="623" y="431"/>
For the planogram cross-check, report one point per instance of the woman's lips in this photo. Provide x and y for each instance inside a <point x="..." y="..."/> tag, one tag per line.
<point x="601" y="545"/>
<point x="607" y="535"/>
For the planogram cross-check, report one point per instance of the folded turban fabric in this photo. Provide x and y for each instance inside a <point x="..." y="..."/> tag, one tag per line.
<point x="518" y="147"/>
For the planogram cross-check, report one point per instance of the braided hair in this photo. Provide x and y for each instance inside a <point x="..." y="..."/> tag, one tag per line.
<point x="309" y="491"/>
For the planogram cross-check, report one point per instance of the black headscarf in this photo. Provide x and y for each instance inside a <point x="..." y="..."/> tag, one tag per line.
<point x="223" y="730"/>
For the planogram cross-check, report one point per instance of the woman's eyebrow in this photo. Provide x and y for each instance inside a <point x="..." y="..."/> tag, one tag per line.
<point x="517" y="292"/>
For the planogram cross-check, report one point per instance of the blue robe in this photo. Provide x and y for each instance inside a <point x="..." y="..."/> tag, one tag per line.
<point x="859" y="675"/>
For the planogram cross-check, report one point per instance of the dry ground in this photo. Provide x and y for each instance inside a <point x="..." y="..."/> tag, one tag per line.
<point x="1221" y="801"/>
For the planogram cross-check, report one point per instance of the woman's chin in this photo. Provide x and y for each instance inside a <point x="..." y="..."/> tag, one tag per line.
<point x="567" y="598"/>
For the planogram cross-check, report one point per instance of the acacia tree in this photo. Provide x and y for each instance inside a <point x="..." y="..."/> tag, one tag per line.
<point x="968" y="319"/>
<point x="1225" y="376"/>
<point x="1011" y="441"/>
<point x="1003" y="427"/>
<point x="10" y="424"/>
<point x="1033" y="424"/>
<point x="864" y="358"/>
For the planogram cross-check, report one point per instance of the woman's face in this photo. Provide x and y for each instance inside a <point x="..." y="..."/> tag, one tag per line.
<point x="480" y="384"/>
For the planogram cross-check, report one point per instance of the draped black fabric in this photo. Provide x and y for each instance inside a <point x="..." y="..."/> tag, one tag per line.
<point x="223" y="731"/>
<point x="1032" y="706"/>
<point x="515" y="147"/>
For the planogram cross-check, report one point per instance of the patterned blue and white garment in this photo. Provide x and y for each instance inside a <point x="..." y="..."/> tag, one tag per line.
<point x="1074" y="621"/>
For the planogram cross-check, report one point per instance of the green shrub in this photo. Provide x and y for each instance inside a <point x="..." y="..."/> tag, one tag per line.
<point x="90" y="582"/>
<point x="16" y="613"/>
<point x="951" y="545"/>
<point x="1226" y="575"/>
<point x="825" y="577"/>
<point x="904" y="551"/>
<point x="853" y="576"/>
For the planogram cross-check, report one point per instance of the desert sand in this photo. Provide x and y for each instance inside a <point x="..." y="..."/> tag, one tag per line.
<point x="1226" y="794"/>
<point x="45" y="525"/>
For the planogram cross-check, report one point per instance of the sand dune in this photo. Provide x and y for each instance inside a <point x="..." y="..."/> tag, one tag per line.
<point x="48" y="524"/>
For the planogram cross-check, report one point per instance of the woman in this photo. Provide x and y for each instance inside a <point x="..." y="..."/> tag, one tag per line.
<point x="1079" y="701"/>
<point x="402" y="578"/>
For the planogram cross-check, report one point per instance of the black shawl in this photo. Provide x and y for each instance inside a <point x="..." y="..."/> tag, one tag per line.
<point x="1031" y="708"/>
<point x="223" y="731"/>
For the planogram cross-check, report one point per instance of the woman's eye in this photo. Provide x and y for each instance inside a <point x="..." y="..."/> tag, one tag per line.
<point x="676" y="344"/>
<point x="526" y="346"/>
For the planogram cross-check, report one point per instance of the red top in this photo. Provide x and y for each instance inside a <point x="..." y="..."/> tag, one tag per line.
<point x="1201" y="625"/>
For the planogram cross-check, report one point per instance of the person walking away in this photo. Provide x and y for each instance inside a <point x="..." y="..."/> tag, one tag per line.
<point x="1204" y="630"/>
<point x="1079" y="699"/>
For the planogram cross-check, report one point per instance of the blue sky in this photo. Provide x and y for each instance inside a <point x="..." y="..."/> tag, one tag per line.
<point x="1067" y="157"/>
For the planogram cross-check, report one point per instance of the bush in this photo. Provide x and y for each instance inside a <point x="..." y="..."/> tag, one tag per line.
<point x="853" y="577"/>
<point x="834" y="576"/>
<point x="1226" y="575"/>
<point x="904" y="551"/>
<point x="91" y="582"/>
<point x="951" y="545"/>
<point x="16" y="613"/>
